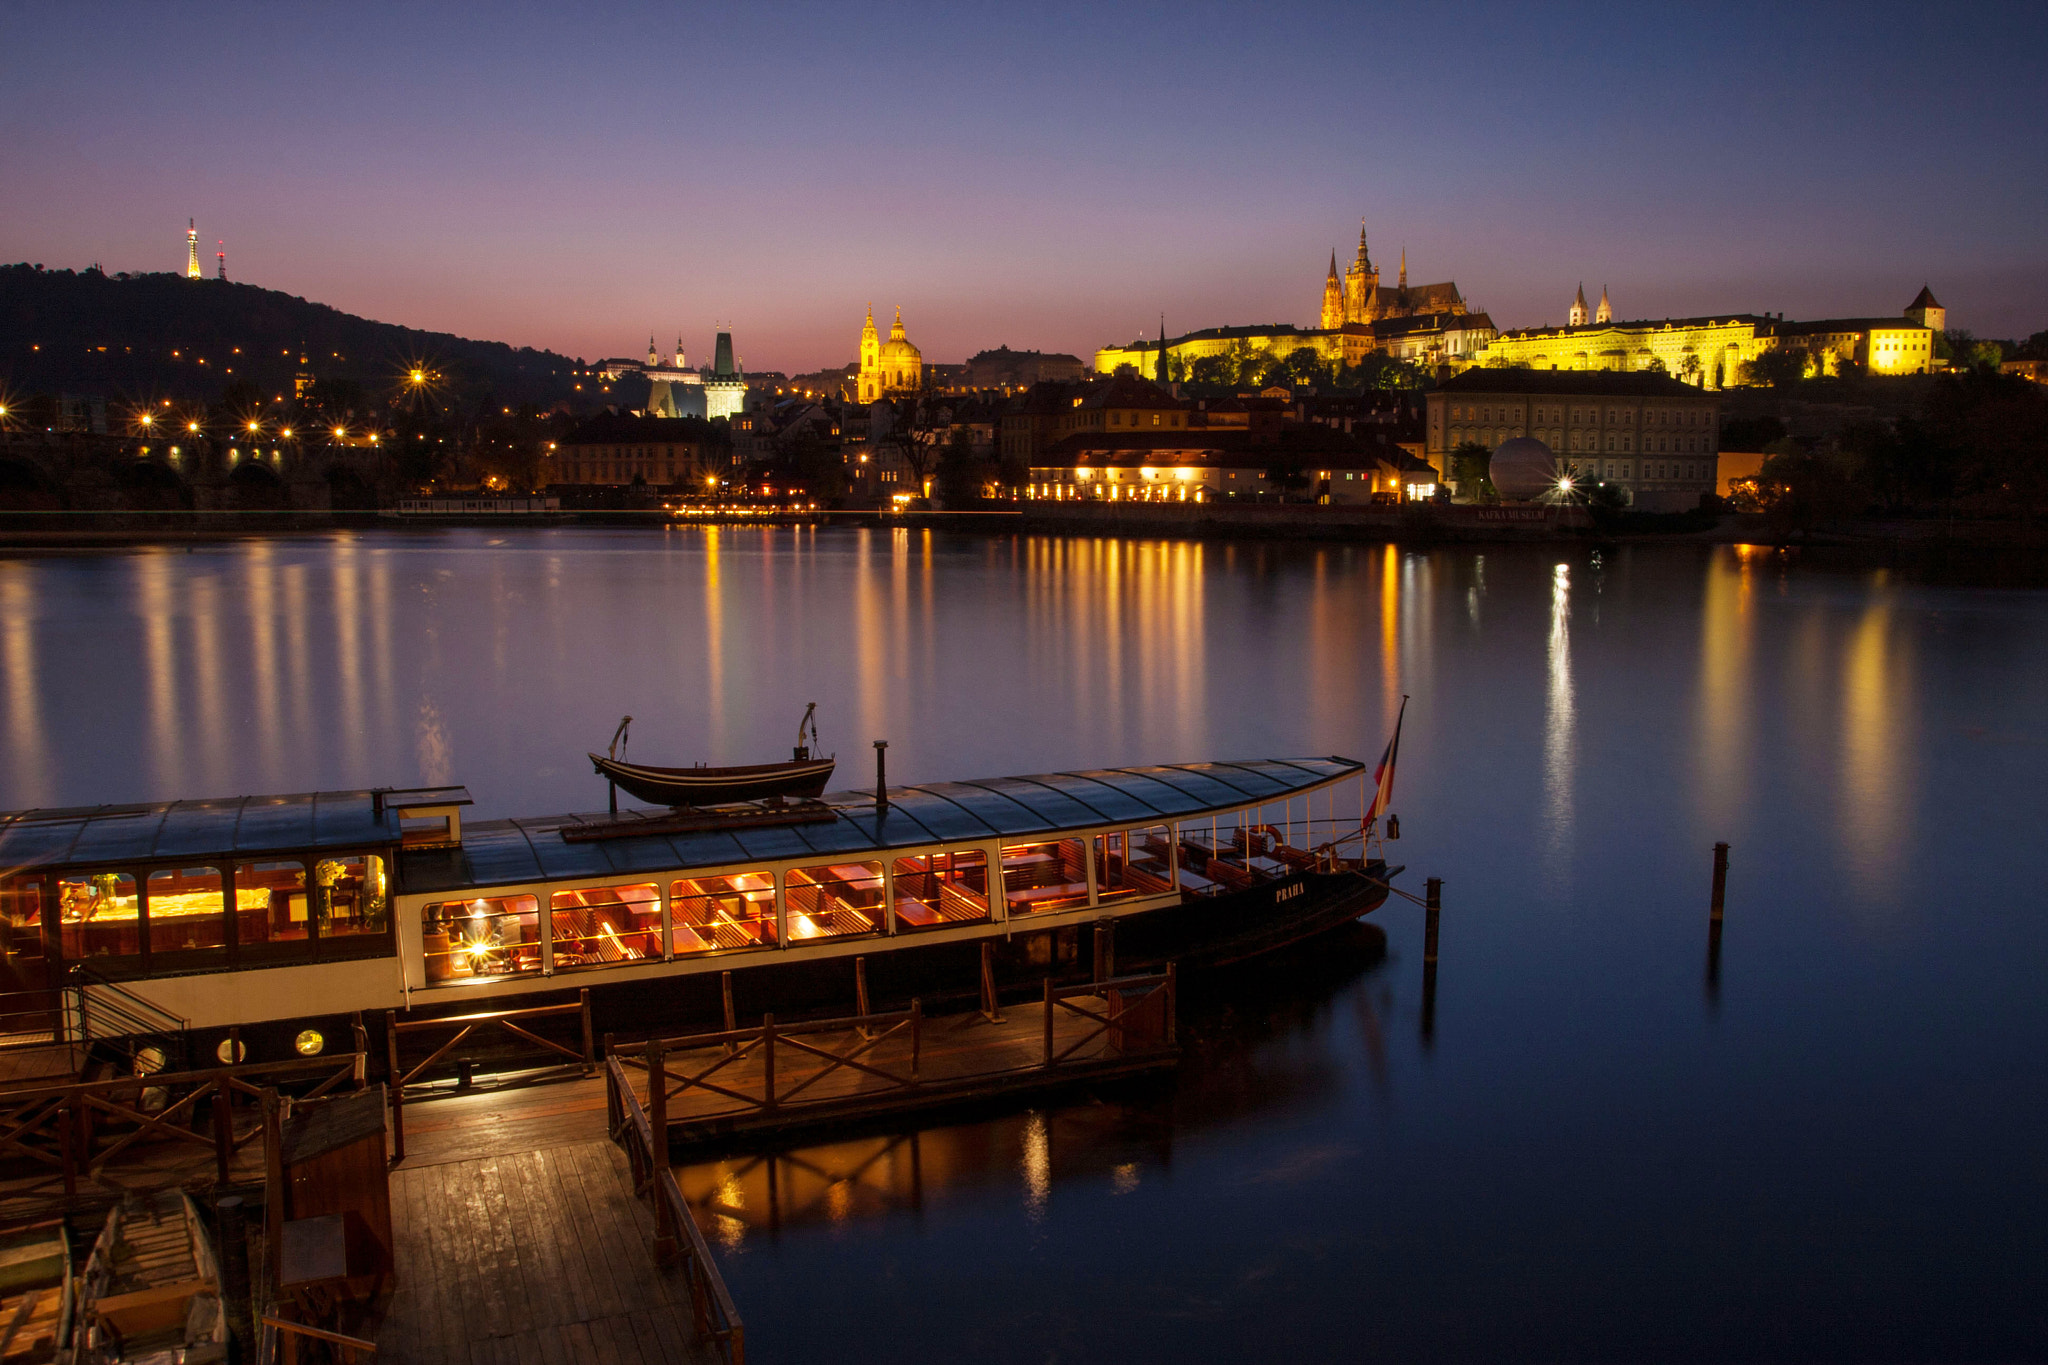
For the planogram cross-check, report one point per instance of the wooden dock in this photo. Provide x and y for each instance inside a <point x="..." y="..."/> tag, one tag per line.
<point x="533" y="1256"/>
<point x="786" y="1078"/>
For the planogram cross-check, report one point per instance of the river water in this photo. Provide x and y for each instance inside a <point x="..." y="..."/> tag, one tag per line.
<point x="1831" y="1152"/>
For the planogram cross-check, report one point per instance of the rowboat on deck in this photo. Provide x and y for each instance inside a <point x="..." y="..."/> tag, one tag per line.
<point x="802" y="778"/>
<point x="150" y="1292"/>
<point x="35" y="1294"/>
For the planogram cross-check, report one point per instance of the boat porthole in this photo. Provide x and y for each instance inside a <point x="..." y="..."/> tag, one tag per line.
<point x="231" y="1051"/>
<point x="309" y="1042"/>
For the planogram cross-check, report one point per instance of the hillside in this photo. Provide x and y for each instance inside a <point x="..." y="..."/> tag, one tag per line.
<point x="136" y="337"/>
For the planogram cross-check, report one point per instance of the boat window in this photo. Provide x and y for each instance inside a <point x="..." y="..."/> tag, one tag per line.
<point x="1042" y="877"/>
<point x="834" y="901"/>
<point x="349" y="896"/>
<point x="480" y="940"/>
<point x="713" y="914"/>
<point x="187" y="912"/>
<point x="23" y="963"/>
<point x="101" y="916"/>
<point x="604" y="924"/>
<point x="942" y="888"/>
<point x="1136" y="862"/>
<point x="270" y="903"/>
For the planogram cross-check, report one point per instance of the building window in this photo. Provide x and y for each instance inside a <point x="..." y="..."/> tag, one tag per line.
<point x="712" y="914"/>
<point x="1043" y="877"/>
<point x="1136" y="862"/>
<point x="834" y="901"/>
<point x="187" y="910"/>
<point x="100" y="916"/>
<point x="600" y="925"/>
<point x="480" y="940"/>
<point x="941" y="888"/>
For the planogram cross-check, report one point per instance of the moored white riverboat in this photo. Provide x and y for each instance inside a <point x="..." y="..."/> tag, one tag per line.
<point x="284" y="915"/>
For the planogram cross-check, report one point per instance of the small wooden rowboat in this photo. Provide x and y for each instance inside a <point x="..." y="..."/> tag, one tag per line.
<point x="151" y="1290"/>
<point x="800" y="779"/>
<point x="35" y="1294"/>
<point x="717" y="786"/>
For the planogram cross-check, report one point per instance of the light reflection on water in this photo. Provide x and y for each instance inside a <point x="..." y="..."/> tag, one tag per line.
<point x="1838" y="1162"/>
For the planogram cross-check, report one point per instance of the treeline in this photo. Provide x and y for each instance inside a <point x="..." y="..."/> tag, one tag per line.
<point x="1978" y="446"/>
<point x="141" y="338"/>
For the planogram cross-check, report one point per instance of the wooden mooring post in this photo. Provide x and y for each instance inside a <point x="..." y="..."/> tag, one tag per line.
<point x="1714" y="906"/>
<point x="990" y="1010"/>
<point x="1432" y="905"/>
<point x="397" y="1086"/>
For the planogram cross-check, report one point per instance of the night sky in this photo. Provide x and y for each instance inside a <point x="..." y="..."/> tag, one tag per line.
<point x="574" y="177"/>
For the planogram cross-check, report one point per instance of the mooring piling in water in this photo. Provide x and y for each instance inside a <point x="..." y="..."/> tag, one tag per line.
<point x="1714" y="923"/>
<point x="1720" y="881"/>
<point x="1432" y="904"/>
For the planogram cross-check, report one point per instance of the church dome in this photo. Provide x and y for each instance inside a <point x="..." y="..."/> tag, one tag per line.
<point x="1522" y="468"/>
<point x="899" y="350"/>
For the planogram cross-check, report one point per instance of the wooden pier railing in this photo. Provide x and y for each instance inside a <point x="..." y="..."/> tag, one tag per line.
<point x="60" y="1129"/>
<point x="464" y="1025"/>
<point x="785" y="1074"/>
<point x="675" y="1226"/>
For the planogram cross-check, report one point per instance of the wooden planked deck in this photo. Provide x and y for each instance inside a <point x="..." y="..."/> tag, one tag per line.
<point x="531" y="1257"/>
<point x="462" y="1125"/>
<point x="820" y="1076"/>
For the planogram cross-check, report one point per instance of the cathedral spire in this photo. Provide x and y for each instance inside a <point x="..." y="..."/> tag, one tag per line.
<point x="1605" y="313"/>
<point x="1579" y="312"/>
<point x="1364" y="256"/>
<point x="1333" y="266"/>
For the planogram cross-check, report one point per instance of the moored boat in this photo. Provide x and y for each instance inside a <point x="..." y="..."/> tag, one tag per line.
<point x="35" y="1294"/>
<point x="285" y="916"/>
<point x="150" y="1291"/>
<point x="802" y="778"/>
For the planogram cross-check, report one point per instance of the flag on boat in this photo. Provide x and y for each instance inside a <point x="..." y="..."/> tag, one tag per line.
<point x="1383" y="776"/>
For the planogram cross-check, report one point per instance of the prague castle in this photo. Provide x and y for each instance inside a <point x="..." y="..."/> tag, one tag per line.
<point x="1360" y="298"/>
<point x="1426" y="324"/>
<point x="1710" y="352"/>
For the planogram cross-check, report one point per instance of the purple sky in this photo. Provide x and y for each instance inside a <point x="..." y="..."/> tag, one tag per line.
<point x="572" y="177"/>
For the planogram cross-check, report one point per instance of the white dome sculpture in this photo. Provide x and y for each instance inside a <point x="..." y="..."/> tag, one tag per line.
<point x="1522" y="469"/>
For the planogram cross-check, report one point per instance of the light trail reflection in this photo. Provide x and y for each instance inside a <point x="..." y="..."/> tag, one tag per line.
<point x="1559" y="726"/>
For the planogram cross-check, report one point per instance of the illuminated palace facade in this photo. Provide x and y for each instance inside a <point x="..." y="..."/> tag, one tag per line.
<point x="1710" y="352"/>
<point x="1427" y="323"/>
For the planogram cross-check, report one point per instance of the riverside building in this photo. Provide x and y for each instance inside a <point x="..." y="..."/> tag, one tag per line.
<point x="1654" y="437"/>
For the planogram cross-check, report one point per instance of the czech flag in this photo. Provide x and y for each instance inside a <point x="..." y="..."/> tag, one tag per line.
<point x="1383" y="776"/>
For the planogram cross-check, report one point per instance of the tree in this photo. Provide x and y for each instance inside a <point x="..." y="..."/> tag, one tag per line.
<point x="1304" y="366"/>
<point x="1689" y="369"/>
<point x="1469" y="470"/>
<point x="913" y="437"/>
<point x="1751" y="433"/>
<point x="805" y="459"/>
<point x="1776" y="369"/>
<point x="963" y="473"/>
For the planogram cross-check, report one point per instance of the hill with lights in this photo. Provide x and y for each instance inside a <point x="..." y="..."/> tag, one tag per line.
<point x="141" y="337"/>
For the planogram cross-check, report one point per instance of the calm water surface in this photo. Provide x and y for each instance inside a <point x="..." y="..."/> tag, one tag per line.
<point x="1837" y="1155"/>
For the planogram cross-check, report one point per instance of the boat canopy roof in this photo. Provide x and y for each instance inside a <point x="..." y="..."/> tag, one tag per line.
<point x="510" y="852"/>
<point x="235" y="826"/>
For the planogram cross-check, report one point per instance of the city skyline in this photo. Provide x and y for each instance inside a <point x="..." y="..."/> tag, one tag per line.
<point x="1050" y="185"/>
